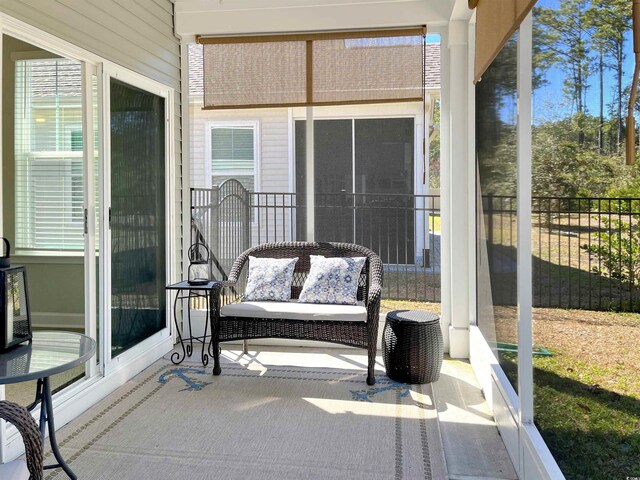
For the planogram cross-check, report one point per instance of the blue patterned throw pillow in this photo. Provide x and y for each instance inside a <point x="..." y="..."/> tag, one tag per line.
<point x="270" y="279"/>
<point x="332" y="280"/>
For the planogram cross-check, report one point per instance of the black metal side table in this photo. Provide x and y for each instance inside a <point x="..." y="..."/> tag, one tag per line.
<point x="187" y="291"/>
<point x="412" y="346"/>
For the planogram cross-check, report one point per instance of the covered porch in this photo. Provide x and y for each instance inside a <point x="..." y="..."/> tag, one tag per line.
<point x="475" y="423"/>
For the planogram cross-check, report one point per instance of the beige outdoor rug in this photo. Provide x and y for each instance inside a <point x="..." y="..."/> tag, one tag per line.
<point x="180" y="422"/>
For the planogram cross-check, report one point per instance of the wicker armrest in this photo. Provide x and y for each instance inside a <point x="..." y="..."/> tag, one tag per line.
<point x="375" y="292"/>
<point x="376" y="275"/>
<point x="26" y="425"/>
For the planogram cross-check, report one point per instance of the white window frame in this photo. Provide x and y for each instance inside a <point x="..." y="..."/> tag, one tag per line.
<point x="255" y="124"/>
<point x="161" y="341"/>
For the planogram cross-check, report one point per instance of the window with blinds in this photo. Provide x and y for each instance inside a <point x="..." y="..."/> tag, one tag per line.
<point x="49" y="188"/>
<point x="233" y="154"/>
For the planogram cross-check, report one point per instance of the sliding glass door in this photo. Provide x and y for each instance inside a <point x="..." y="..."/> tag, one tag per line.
<point x="333" y="174"/>
<point x="49" y="102"/>
<point x="364" y="184"/>
<point x="137" y="215"/>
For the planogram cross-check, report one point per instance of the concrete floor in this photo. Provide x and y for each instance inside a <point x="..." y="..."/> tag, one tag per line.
<point x="472" y="446"/>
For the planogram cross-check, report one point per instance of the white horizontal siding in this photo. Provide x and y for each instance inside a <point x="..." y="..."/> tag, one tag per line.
<point x="273" y="144"/>
<point x="104" y="27"/>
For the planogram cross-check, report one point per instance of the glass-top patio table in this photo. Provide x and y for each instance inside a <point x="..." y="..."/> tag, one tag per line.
<point x="49" y="353"/>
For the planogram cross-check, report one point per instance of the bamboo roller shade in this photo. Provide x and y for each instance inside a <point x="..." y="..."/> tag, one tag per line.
<point x="336" y="68"/>
<point x="496" y="20"/>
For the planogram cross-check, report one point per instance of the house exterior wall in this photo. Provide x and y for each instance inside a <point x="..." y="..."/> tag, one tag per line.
<point x="137" y="35"/>
<point x="273" y="153"/>
<point x="274" y="130"/>
<point x="276" y="161"/>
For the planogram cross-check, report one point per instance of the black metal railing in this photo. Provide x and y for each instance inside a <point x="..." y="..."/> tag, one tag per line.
<point x="403" y="229"/>
<point x="585" y="250"/>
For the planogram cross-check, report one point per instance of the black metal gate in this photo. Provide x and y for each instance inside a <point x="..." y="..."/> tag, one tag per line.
<point x="221" y="219"/>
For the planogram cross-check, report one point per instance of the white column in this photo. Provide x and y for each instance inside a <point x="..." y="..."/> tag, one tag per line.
<point x="525" y="287"/>
<point x="3" y="427"/>
<point x="185" y="179"/>
<point x="310" y="178"/>
<point x="457" y="196"/>
<point x="186" y="154"/>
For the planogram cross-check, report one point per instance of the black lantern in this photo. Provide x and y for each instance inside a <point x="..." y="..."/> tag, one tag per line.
<point x="15" y="318"/>
<point x="199" y="266"/>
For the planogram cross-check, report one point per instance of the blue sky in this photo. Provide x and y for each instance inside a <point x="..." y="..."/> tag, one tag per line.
<point x="550" y="101"/>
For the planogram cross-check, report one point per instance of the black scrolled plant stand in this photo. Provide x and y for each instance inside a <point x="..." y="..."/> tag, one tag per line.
<point x="187" y="343"/>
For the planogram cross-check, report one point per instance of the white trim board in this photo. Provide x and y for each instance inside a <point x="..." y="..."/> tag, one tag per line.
<point x="193" y="17"/>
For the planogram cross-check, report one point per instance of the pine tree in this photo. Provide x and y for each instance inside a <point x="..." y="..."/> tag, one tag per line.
<point x="611" y="21"/>
<point x="565" y="36"/>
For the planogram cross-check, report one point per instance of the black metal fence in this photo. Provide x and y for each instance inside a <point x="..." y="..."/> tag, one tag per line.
<point x="586" y="251"/>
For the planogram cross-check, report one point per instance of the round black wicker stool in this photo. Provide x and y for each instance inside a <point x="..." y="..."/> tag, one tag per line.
<point x="412" y="346"/>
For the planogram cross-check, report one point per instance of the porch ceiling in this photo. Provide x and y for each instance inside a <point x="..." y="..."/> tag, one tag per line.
<point x="228" y="17"/>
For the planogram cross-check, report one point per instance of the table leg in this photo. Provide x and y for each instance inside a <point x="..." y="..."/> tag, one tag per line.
<point x="175" y="356"/>
<point x="210" y="346"/>
<point x="190" y="344"/>
<point x="214" y="338"/>
<point x="46" y="416"/>
<point x="205" y="347"/>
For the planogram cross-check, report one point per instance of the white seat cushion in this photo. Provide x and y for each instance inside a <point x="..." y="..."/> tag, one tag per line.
<point x="16" y="470"/>
<point x="294" y="310"/>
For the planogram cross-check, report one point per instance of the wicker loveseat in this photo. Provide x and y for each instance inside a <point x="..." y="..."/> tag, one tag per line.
<point x="356" y="326"/>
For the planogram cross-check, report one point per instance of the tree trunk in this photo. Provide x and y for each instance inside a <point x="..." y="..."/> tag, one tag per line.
<point x="619" y="79"/>
<point x="580" y="106"/>
<point x="601" y="122"/>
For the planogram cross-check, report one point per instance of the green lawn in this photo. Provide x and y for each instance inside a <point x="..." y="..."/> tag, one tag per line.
<point x="587" y="395"/>
<point x="593" y="433"/>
